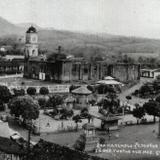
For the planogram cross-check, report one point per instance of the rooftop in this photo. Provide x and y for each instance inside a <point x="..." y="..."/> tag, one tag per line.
<point x="82" y="90"/>
<point x="151" y="70"/>
<point x="11" y="57"/>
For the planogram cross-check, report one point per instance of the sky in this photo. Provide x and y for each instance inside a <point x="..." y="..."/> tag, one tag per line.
<point x="121" y="17"/>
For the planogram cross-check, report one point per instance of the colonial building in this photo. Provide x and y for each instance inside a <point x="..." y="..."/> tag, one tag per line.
<point x="60" y="68"/>
<point x="13" y="66"/>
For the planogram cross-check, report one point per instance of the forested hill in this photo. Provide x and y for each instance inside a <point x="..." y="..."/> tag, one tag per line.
<point x="79" y="43"/>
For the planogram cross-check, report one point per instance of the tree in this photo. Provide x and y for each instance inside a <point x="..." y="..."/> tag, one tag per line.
<point x="80" y="143"/>
<point x="42" y="102"/>
<point x="158" y="99"/>
<point x="5" y="94"/>
<point x="31" y="91"/>
<point x="19" y="92"/>
<point x="54" y="112"/>
<point x="102" y="140"/>
<point x="92" y="101"/>
<point x="28" y="109"/>
<point x="2" y="106"/>
<point x="44" y="91"/>
<point x="109" y="104"/>
<point x="138" y="112"/>
<point x="128" y="98"/>
<point x="152" y="108"/>
<point x="84" y="110"/>
<point x="66" y="113"/>
<point x="24" y="106"/>
<point x="146" y="90"/>
<point x="85" y="114"/>
<point x="54" y="101"/>
<point x="102" y="89"/>
<point x="77" y="119"/>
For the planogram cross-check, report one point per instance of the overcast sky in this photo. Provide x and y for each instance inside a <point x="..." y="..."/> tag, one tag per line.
<point x="122" y="17"/>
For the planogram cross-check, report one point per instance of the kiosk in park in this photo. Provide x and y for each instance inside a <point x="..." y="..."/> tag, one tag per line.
<point x="81" y="95"/>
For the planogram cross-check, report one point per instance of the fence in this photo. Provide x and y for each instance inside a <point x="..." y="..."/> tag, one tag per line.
<point x="51" y="88"/>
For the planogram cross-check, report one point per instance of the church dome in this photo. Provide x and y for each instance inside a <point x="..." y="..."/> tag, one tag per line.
<point x="31" y="30"/>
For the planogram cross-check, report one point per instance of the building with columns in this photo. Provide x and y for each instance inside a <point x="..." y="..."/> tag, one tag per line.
<point x="60" y="68"/>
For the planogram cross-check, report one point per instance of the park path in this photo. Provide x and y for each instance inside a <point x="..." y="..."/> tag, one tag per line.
<point x="122" y="96"/>
<point x="11" y="76"/>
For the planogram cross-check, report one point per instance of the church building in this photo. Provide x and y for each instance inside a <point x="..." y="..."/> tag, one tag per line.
<point x="60" y="68"/>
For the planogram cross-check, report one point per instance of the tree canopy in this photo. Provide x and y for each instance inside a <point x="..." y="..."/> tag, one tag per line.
<point x="43" y="90"/>
<point x="152" y="108"/>
<point x="5" y="94"/>
<point x="19" y="92"/>
<point x="54" y="101"/>
<point x="24" y="106"/>
<point x="31" y="91"/>
<point x="138" y="112"/>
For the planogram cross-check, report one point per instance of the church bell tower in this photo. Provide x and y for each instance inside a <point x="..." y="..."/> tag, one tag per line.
<point x="31" y="45"/>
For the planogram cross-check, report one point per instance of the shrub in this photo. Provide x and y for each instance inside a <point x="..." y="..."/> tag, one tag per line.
<point x="5" y="94"/>
<point x="92" y="102"/>
<point x="42" y="102"/>
<point x="54" y="112"/>
<point x="22" y="83"/>
<point x="84" y="110"/>
<point x="158" y="99"/>
<point x="54" y="101"/>
<point x="19" y="92"/>
<point x="128" y="98"/>
<point x="102" y="140"/>
<point x="80" y="143"/>
<point x="31" y="90"/>
<point x="66" y="113"/>
<point x="2" y="107"/>
<point x="136" y="92"/>
<point x="84" y="113"/>
<point x="44" y="91"/>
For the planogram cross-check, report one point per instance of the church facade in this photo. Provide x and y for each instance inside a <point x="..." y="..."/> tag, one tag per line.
<point x="62" y="69"/>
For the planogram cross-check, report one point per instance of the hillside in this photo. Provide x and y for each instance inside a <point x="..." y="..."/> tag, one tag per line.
<point x="7" y="28"/>
<point x="79" y="43"/>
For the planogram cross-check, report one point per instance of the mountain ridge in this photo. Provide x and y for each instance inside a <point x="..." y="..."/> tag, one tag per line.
<point x="79" y="43"/>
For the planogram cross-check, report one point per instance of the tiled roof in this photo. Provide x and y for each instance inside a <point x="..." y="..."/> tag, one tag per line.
<point x="82" y="90"/>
